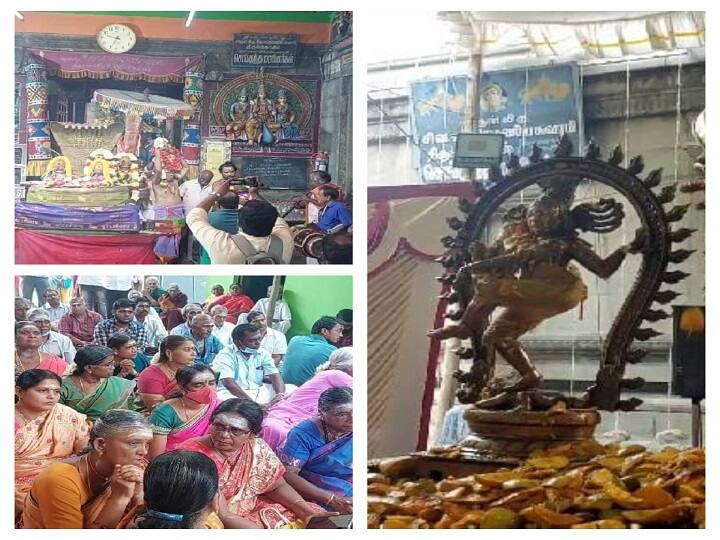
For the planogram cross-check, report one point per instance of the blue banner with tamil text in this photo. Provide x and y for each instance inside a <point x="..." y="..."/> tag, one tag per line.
<point x="528" y="106"/>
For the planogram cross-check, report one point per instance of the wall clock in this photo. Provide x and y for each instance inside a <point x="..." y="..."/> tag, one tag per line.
<point x="116" y="38"/>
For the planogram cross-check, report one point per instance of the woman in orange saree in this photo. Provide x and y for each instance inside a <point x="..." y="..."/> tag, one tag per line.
<point x="251" y="475"/>
<point x="45" y="430"/>
<point x="98" y="489"/>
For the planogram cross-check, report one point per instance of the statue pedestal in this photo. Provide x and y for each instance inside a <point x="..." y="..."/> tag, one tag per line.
<point x="519" y="433"/>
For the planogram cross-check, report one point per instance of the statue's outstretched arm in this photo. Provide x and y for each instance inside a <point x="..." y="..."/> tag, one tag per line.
<point x="606" y="267"/>
<point x="507" y="263"/>
<point x="603" y="268"/>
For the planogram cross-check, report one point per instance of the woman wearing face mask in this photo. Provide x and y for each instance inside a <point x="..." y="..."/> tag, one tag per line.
<point x="45" y="430"/>
<point x="157" y="383"/>
<point x="28" y="354"/>
<point x="187" y="416"/>
<point x="99" y="488"/>
<point x="92" y="388"/>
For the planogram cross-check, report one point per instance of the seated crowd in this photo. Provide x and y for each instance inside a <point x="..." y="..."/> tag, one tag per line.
<point x="207" y="424"/>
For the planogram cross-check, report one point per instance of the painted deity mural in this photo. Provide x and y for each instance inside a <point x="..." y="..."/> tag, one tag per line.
<point x="267" y="114"/>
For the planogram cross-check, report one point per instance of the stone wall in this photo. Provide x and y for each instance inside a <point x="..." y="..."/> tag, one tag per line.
<point x="336" y="114"/>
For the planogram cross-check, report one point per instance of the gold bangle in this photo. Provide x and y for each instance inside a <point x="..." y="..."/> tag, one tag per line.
<point x="331" y="499"/>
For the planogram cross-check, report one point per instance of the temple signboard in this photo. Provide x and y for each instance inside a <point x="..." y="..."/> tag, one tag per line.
<point x="264" y="50"/>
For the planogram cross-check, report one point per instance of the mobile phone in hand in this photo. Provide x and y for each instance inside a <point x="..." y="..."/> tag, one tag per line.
<point x="343" y="521"/>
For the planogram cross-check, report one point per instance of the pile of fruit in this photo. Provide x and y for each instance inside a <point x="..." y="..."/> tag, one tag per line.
<point x="580" y="486"/>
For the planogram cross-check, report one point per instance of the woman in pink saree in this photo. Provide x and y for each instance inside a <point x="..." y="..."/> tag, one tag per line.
<point x="251" y="475"/>
<point x="28" y="354"/>
<point x="188" y="415"/>
<point x="302" y="404"/>
<point x="45" y="430"/>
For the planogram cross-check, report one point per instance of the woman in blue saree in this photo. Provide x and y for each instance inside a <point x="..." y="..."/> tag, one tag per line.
<point x="318" y="453"/>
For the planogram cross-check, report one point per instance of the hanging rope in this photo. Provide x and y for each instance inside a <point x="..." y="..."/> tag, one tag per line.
<point x="676" y="158"/>
<point x="525" y="113"/>
<point x="626" y="150"/>
<point x="678" y="118"/>
<point x="525" y="104"/>
<point x="626" y="142"/>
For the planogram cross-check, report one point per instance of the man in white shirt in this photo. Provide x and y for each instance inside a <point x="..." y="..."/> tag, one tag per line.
<point x="273" y="341"/>
<point x="52" y="342"/>
<point x="148" y="317"/>
<point x="282" y="318"/>
<point x="222" y="329"/>
<point x="54" y="307"/>
<point x="193" y="192"/>
<point x="100" y="292"/>
<point x="263" y="231"/>
<point x="246" y="371"/>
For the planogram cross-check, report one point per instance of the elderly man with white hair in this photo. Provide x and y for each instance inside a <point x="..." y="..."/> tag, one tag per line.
<point x="221" y="328"/>
<point x="273" y="341"/>
<point x="188" y="312"/>
<point x="282" y="318"/>
<point x="52" y="342"/>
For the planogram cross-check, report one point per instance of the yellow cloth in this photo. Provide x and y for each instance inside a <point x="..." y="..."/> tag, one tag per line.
<point x="526" y="302"/>
<point x="222" y="249"/>
<point x="46" y="439"/>
<point x="547" y="286"/>
<point x="36" y="167"/>
<point x="59" y="499"/>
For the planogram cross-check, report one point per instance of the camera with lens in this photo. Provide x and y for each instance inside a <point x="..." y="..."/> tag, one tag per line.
<point x="244" y="182"/>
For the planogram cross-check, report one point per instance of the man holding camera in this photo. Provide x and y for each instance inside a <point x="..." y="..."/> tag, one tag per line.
<point x="264" y="237"/>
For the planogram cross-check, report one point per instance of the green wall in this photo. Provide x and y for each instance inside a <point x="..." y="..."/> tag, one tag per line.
<point x="311" y="297"/>
<point x="225" y="281"/>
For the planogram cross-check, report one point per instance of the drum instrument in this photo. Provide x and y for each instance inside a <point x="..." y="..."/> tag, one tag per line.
<point x="309" y="240"/>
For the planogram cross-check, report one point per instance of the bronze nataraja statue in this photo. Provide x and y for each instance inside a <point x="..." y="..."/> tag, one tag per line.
<point x="527" y="276"/>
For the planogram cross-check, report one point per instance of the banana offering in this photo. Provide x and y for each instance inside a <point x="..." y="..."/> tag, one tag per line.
<point x="578" y="486"/>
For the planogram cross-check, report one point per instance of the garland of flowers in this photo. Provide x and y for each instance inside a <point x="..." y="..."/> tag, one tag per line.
<point x="171" y="159"/>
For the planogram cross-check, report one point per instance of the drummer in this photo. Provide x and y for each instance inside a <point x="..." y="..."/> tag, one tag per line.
<point x="318" y="179"/>
<point x="334" y="215"/>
